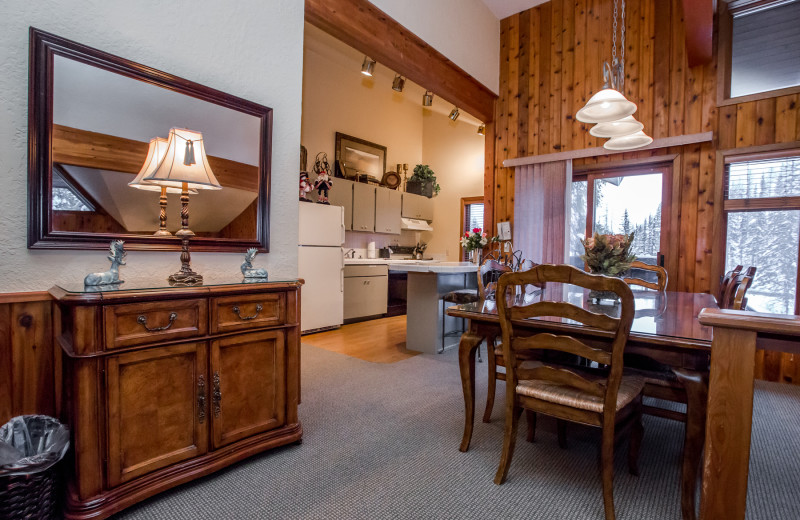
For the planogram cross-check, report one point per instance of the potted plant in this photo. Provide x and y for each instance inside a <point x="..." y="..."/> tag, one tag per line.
<point x="423" y="182"/>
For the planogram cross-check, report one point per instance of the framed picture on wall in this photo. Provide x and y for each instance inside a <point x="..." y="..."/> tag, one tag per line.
<point x="359" y="159"/>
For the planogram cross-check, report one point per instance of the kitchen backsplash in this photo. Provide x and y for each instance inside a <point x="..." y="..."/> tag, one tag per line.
<point x="359" y="240"/>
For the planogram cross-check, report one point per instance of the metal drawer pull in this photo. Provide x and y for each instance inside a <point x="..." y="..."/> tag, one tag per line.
<point x="143" y="320"/>
<point x="216" y="395"/>
<point x="254" y="316"/>
<point x="201" y="399"/>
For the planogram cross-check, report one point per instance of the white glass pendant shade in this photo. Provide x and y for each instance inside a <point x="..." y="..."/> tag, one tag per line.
<point x="185" y="161"/>
<point x="605" y="106"/>
<point x="628" y="142"/>
<point x="625" y="126"/>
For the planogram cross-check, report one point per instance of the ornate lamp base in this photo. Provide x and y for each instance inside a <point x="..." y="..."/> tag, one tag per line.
<point x="186" y="276"/>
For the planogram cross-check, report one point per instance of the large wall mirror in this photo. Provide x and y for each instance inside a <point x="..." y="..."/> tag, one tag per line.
<point x="92" y="116"/>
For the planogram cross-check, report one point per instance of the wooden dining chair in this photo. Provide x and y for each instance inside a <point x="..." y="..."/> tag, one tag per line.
<point x="605" y="399"/>
<point x="494" y="352"/>
<point x="725" y="282"/>
<point x="743" y="283"/>
<point x="729" y="297"/>
<point x="661" y="273"/>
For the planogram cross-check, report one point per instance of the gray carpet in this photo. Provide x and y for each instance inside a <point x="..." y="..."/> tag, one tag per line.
<point x="381" y="441"/>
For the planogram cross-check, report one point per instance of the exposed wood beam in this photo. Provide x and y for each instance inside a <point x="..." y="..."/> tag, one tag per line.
<point x="367" y="29"/>
<point x="78" y="147"/>
<point x="698" y="17"/>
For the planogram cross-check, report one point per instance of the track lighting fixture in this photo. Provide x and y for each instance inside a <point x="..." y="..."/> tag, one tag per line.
<point x="454" y="114"/>
<point x="427" y="98"/>
<point x="482" y="130"/>
<point x="398" y="83"/>
<point x="368" y="66"/>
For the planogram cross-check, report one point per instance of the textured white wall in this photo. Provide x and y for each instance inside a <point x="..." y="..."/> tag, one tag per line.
<point x="465" y="31"/>
<point x="250" y="48"/>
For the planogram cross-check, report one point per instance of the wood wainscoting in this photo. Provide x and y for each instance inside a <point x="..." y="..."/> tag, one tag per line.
<point x="29" y="363"/>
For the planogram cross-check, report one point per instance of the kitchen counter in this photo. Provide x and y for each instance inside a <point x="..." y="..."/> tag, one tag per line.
<point x="416" y="266"/>
<point x="428" y="281"/>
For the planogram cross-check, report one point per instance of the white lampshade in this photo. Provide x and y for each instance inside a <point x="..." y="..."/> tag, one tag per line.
<point x="605" y="106"/>
<point x="625" y="126"/>
<point x="185" y="161"/>
<point x="628" y="142"/>
<point x="155" y="154"/>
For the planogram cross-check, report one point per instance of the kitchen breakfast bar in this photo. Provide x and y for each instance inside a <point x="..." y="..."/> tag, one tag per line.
<point x="428" y="281"/>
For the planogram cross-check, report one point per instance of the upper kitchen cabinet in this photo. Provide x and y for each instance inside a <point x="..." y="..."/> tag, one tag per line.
<point x="363" y="207"/>
<point x="417" y="206"/>
<point x="387" y="211"/>
<point x="341" y="194"/>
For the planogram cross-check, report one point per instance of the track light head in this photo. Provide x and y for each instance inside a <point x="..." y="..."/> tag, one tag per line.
<point x="482" y="130"/>
<point x="398" y="83"/>
<point x="368" y="66"/>
<point x="427" y="98"/>
<point x="454" y="114"/>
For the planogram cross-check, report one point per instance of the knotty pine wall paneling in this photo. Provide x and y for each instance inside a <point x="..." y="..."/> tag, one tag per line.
<point x="29" y="361"/>
<point x="551" y="62"/>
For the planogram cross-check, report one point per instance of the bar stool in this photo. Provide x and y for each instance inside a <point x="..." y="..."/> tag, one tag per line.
<point x="458" y="297"/>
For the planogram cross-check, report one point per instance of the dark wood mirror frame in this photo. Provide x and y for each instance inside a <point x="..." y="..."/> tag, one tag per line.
<point x="43" y="47"/>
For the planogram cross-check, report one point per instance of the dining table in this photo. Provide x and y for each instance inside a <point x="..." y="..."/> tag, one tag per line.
<point x="665" y="329"/>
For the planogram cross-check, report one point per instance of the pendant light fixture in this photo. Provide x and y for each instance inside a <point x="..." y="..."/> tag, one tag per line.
<point x="625" y="126"/>
<point x="608" y="108"/>
<point x="628" y="142"/>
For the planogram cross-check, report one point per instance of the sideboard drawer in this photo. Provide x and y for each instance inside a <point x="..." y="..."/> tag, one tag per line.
<point x="247" y="312"/>
<point x="139" y="323"/>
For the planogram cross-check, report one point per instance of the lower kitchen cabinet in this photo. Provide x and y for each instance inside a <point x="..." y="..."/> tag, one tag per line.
<point x="149" y="413"/>
<point x="365" y="290"/>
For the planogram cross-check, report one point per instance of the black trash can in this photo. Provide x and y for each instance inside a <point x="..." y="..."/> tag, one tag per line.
<point x="30" y="448"/>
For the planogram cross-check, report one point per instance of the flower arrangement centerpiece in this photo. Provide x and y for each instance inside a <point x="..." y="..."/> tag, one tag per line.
<point x="474" y="242"/>
<point x="609" y="255"/>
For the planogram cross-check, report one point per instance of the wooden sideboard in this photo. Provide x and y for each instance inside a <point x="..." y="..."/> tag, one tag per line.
<point x="164" y="385"/>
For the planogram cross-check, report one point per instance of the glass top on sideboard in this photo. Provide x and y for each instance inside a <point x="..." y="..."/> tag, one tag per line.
<point x="162" y="283"/>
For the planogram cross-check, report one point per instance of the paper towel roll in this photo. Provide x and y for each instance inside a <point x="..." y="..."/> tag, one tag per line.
<point x="371" y="252"/>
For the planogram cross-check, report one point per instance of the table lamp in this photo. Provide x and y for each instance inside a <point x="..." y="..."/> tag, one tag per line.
<point x="155" y="154"/>
<point x="184" y="166"/>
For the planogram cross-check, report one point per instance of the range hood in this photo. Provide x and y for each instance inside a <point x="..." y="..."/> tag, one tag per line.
<point x="415" y="224"/>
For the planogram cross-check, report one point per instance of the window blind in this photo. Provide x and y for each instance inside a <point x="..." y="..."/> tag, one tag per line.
<point x="765" y="48"/>
<point x="766" y="178"/>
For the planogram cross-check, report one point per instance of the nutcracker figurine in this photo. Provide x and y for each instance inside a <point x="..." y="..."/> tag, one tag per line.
<point x="323" y="182"/>
<point x="305" y="187"/>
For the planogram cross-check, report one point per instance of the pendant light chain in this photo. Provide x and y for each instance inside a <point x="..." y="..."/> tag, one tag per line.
<point x="622" y="48"/>
<point x="614" y="38"/>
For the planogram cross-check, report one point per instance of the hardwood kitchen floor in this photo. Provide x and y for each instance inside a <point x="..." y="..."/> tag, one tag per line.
<point x="379" y="341"/>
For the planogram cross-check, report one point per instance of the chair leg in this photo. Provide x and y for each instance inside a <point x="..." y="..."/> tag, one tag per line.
<point x="562" y="433"/>
<point x="531" y="420"/>
<point x="634" y="447"/>
<point x="509" y="439"/>
<point x="607" y="470"/>
<point x="492" y="384"/>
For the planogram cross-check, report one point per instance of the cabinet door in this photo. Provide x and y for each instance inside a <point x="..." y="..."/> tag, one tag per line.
<point x="387" y="211"/>
<point x="156" y="409"/>
<point x="341" y="194"/>
<point x="410" y="205"/>
<point x="248" y="385"/>
<point x="363" y="207"/>
<point x="365" y="296"/>
<point x="425" y="208"/>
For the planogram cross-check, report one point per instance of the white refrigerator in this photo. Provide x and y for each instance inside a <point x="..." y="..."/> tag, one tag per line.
<point x="321" y="265"/>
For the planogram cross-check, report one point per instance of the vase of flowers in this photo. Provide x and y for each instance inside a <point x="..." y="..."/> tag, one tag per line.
<point x="473" y="243"/>
<point x="607" y="255"/>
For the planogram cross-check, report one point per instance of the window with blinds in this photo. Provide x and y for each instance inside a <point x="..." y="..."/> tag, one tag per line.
<point x="473" y="216"/>
<point x="762" y="216"/>
<point x="765" y="46"/>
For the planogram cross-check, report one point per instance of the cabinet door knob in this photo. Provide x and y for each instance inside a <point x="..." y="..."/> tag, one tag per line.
<point x="216" y="395"/>
<point x="143" y="320"/>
